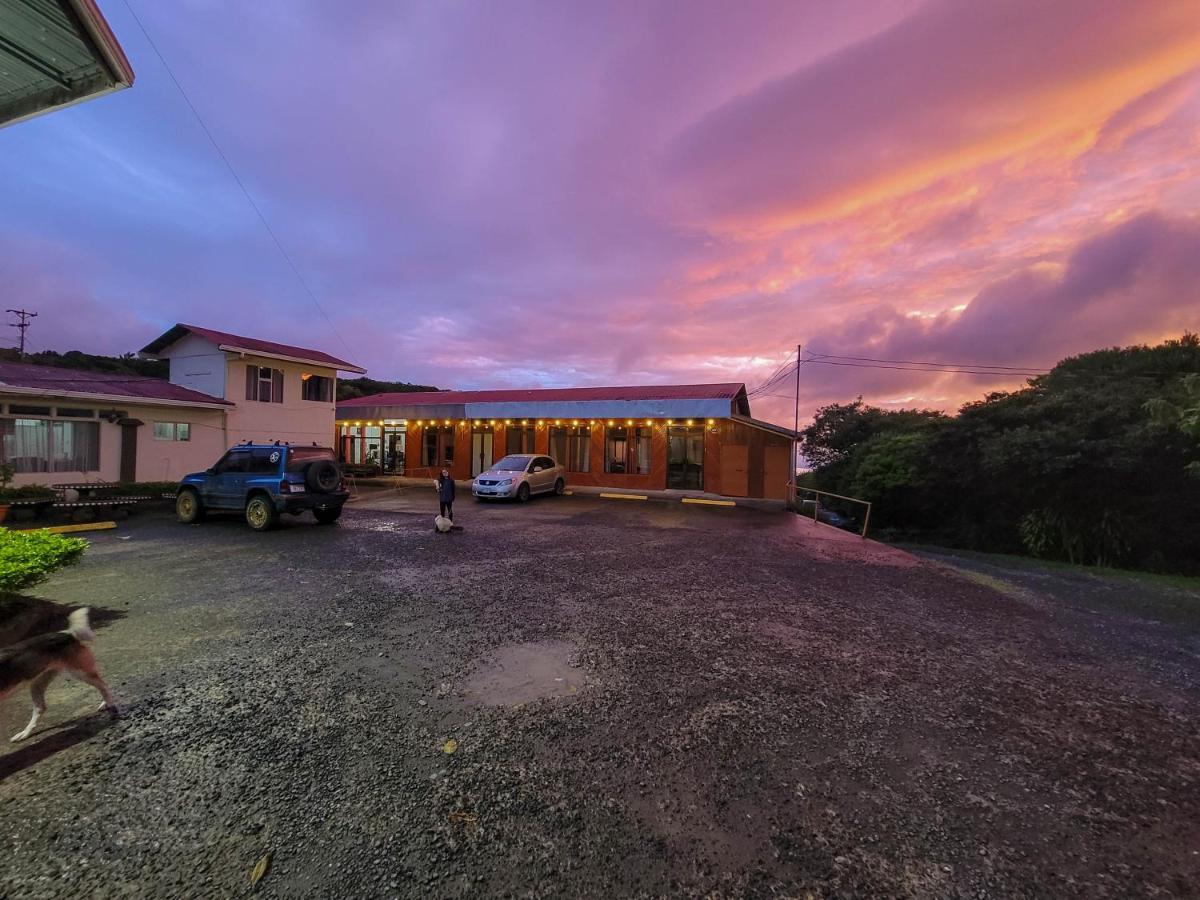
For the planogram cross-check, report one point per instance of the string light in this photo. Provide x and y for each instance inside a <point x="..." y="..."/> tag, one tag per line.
<point x="689" y="421"/>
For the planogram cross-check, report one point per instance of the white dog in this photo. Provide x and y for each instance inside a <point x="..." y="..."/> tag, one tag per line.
<point x="442" y="524"/>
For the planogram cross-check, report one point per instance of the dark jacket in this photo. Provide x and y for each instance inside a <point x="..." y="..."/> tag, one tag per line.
<point x="445" y="489"/>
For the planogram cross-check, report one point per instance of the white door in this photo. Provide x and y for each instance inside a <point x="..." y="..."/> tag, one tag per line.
<point x="481" y="451"/>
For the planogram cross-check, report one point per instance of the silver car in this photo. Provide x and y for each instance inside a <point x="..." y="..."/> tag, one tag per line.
<point x="520" y="475"/>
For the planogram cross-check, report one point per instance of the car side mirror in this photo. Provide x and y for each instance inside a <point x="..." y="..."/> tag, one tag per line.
<point x="537" y="469"/>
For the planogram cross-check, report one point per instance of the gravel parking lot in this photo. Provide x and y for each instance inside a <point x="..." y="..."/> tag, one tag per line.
<point x="643" y="698"/>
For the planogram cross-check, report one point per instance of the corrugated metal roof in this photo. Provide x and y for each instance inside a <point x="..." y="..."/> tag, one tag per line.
<point x="54" y="53"/>
<point x="51" y="381"/>
<point x="237" y="342"/>
<point x="726" y="391"/>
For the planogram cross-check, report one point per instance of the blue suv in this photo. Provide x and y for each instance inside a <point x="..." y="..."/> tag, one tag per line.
<point x="263" y="481"/>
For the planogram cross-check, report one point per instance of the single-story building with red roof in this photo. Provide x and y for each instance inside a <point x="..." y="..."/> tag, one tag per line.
<point x="652" y="437"/>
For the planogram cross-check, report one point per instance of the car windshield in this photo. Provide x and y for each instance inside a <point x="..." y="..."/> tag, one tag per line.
<point x="299" y="457"/>
<point x="511" y="464"/>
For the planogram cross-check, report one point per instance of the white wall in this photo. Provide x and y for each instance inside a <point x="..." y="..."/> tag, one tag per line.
<point x="294" y="420"/>
<point x="196" y="363"/>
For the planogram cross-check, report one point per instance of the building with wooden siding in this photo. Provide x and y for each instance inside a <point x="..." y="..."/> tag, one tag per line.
<point x="697" y="437"/>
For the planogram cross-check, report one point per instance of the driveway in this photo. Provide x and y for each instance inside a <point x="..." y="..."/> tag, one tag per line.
<point x="640" y="699"/>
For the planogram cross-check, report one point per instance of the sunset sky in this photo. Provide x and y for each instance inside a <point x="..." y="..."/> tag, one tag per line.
<point x="540" y="194"/>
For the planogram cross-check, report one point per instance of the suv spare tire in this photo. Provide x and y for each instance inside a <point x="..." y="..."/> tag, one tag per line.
<point x="323" y="476"/>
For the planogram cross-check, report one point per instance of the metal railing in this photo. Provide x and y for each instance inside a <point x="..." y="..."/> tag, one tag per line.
<point x="795" y="490"/>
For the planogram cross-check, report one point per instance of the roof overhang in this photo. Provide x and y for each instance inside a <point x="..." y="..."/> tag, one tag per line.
<point x="316" y="363"/>
<point x="714" y="408"/>
<point x="766" y="426"/>
<point x="94" y="397"/>
<point x="53" y="54"/>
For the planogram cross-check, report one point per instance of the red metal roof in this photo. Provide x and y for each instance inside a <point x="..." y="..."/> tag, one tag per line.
<point x="250" y="345"/>
<point x="51" y="381"/>
<point x="534" y="395"/>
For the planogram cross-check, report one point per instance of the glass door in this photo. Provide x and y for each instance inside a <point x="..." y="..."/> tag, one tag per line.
<point x="393" y="449"/>
<point x="481" y="450"/>
<point x="685" y="457"/>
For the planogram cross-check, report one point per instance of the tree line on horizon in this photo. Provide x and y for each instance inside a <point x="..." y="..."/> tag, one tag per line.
<point x="1096" y="462"/>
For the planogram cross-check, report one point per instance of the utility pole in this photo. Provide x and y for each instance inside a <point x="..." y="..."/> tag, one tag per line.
<point x="796" y="424"/>
<point x="24" y="316"/>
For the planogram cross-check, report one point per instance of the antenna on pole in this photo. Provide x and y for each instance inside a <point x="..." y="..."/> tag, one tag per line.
<point x="24" y="316"/>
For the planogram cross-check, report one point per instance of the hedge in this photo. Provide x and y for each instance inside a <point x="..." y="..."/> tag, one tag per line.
<point x="28" y="557"/>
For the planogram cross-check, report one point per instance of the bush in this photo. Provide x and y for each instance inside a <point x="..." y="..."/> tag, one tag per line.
<point x="141" y="488"/>
<point x="26" y="492"/>
<point x="28" y="557"/>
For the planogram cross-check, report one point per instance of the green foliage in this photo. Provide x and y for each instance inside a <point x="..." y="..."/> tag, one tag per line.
<point x="126" y="364"/>
<point x="141" y="489"/>
<point x="6" y="474"/>
<point x="350" y="388"/>
<point x="28" y="557"/>
<point x="25" y="492"/>
<point x="1088" y="463"/>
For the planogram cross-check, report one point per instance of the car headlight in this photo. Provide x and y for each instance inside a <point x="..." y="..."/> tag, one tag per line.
<point x="505" y="482"/>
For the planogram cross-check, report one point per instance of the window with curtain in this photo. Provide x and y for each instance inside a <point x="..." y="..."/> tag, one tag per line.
<point x="429" y="447"/>
<point x="264" y="384"/>
<point x="571" y="446"/>
<point x="48" y="445"/>
<point x="26" y="444"/>
<point x="316" y="387"/>
<point x="518" y="439"/>
<point x="75" y="446"/>
<point x="627" y="451"/>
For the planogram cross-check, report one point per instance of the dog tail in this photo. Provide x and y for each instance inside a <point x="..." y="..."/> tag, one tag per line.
<point x="78" y="626"/>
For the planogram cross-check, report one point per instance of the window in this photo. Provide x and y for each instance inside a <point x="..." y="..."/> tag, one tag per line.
<point x="75" y="446"/>
<point x="172" y="431"/>
<point x="543" y="462"/>
<point x="316" y="387"/>
<point x="571" y="447"/>
<point x="264" y="384"/>
<point x="437" y="446"/>
<point x="627" y="451"/>
<point x="518" y="439"/>
<point x="234" y="461"/>
<point x="19" y="410"/>
<point x="265" y="462"/>
<point x="76" y="413"/>
<point x="45" y="445"/>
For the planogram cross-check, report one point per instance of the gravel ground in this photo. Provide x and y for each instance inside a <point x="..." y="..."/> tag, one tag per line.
<point x="646" y="699"/>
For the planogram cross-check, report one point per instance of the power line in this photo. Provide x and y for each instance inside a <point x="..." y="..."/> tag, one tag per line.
<point x="779" y="375"/>
<point x="816" y="356"/>
<point x="232" y="171"/>
<point x="915" y="368"/>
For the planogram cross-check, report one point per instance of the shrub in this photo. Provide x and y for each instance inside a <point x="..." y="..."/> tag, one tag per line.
<point x="26" y="492"/>
<point x="141" y="488"/>
<point x="28" y="557"/>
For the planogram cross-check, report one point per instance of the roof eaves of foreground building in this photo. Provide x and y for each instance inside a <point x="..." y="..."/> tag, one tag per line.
<point x="44" y="50"/>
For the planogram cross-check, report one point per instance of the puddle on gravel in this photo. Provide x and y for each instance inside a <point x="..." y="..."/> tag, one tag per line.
<point x="521" y="673"/>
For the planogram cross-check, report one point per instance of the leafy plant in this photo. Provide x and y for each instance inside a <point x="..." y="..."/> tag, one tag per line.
<point x="28" y="557"/>
<point x="6" y="474"/>
<point x="25" y="492"/>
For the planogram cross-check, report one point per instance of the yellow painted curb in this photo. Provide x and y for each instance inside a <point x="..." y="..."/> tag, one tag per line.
<point x="708" y="502"/>
<point x="82" y="526"/>
<point x="624" y="496"/>
<point x="568" y="493"/>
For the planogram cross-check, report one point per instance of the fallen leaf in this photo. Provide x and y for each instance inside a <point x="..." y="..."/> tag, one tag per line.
<point x="260" y="869"/>
<point x="450" y="746"/>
